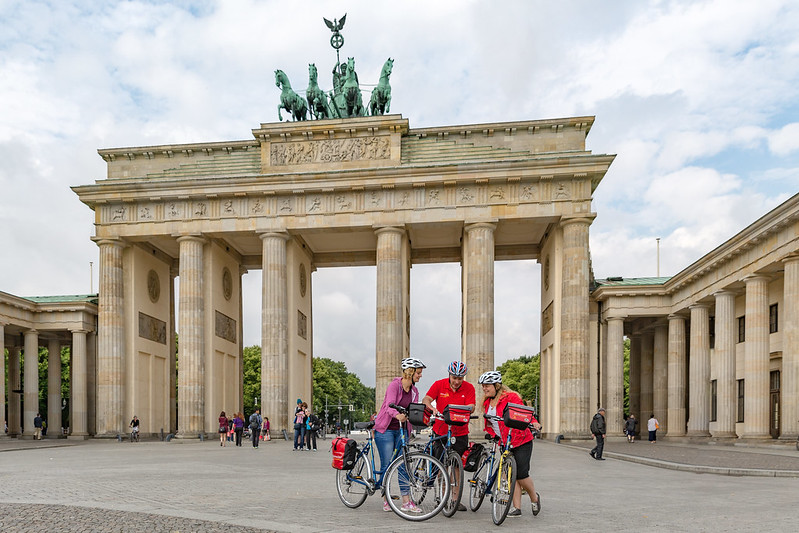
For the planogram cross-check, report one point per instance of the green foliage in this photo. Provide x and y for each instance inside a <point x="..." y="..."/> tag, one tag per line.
<point x="252" y="378"/>
<point x="523" y="375"/>
<point x="332" y="381"/>
<point x="627" y="376"/>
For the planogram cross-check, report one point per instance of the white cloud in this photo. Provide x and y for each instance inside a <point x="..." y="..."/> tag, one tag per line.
<point x="785" y="140"/>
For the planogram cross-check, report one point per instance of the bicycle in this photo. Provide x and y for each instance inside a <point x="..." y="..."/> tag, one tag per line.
<point x="412" y="472"/>
<point x="134" y="434"/>
<point x="451" y="459"/>
<point x="500" y="482"/>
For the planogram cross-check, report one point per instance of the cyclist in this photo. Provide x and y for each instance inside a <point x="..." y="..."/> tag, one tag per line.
<point x="451" y="390"/>
<point x="134" y="425"/>
<point x="496" y="397"/>
<point x="389" y="422"/>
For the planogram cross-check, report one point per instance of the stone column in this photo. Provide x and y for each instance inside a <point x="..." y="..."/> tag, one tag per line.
<point x="574" y="379"/>
<point x="274" y="331"/>
<point x="647" y="370"/>
<point x="789" y="390"/>
<point x="14" y="398"/>
<point x="635" y="376"/>
<point x="660" y="382"/>
<point x="171" y="338"/>
<point x="78" y="391"/>
<point x="615" y="376"/>
<point x="724" y="356"/>
<point x="54" y="388"/>
<point x="756" y="360"/>
<point x="676" y="409"/>
<point x="31" y="380"/>
<point x="111" y="342"/>
<point x="390" y="317"/>
<point x="3" y="420"/>
<point x="478" y="300"/>
<point x="191" y="344"/>
<point x="699" y="372"/>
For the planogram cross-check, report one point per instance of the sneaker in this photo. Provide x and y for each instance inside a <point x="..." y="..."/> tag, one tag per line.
<point x="592" y="453"/>
<point x="410" y="507"/>
<point x="600" y="458"/>
<point x="537" y="505"/>
<point x="386" y="507"/>
<point x="514" y="512"/>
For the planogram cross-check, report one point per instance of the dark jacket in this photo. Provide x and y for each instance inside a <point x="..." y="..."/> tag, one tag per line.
<point x="631" y="424"/>
<point x="598" y="424"/>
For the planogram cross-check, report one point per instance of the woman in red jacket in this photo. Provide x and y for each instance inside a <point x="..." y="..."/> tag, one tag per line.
<point x="496" y="397"/>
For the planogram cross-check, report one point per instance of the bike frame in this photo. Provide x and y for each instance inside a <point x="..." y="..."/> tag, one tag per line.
<point x="376" y="482"/>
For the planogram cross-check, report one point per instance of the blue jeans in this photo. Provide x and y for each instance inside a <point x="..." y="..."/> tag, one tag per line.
<point x="299" y="438"/>
<point x="386" y="444"/>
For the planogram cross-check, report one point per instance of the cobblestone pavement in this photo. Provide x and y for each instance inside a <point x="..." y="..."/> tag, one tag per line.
<point x="200" y="486"/>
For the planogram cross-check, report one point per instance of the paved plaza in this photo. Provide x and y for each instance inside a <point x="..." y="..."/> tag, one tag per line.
<point x="200" y="486"/>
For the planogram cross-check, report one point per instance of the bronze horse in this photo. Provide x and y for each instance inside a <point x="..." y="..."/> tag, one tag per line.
<point x="289" y="100"/>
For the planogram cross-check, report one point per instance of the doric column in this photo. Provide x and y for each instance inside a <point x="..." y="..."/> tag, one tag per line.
<point x="615" y="376"/>
<point x="574" y="379"/>
<point x="31" y="383"/>
<point x="660" y="382"/>
<point x="78" y="390"/>
<point x="54" y="388"/>
<point x="647" y="364"/>
<point x="635" y="375"/>
<point x="3" y="420"/>
<point x="110" y="341"/>
<point x="676" y="409"/>
<point x="790" y="351"/>
<point x="756" y="360"/>
<point x="173" y="367"/>
<point x="724" y="356"/>
<point x="478" y="300"/>
<point x="14" y="398"/>
<point x="699" y="372"/>
<point x="274" y="330"/>
<point x="191" y="345"/>
<point x="388" y="301"/>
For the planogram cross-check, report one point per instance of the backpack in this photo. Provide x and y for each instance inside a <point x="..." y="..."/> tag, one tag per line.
<point x="595" y="425"/>
<point x="471" y="457"/>
<point x="254" y="422"/>
<point x="344" y="453"/>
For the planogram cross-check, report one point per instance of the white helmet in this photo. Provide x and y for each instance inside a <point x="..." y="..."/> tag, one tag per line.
<point x="490" y="377"/>
<point x="410" y="362"/>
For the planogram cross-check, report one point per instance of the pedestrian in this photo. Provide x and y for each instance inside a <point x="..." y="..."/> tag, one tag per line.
<point x="311" y="427"/>
<point x="452" y="390"/>
<point x="256" y="420"/>
<point x="629" y="428"/>
<point x="598" y="431"/>
<point x="223" y="428"/>
<point x="265" y="430"/>
<point x="299" y="428"/>
<point x="652" y="426"/>
<point x="496" y="397"/>
<point x="238" y="427"/>
<point x="390" y="423"/>
<point x="37" y="427"/>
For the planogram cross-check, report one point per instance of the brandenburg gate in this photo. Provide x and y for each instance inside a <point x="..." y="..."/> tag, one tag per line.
<point x="305" y="195"/>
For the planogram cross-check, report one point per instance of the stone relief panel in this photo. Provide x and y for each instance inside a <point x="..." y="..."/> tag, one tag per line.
<point x="285" y="205"/>
<point x="329" y="151"/>
<point x="224" y="327"/>
<point x="119" y="213"/>
<point x="227" y="283"/>
<point x="302" y="325"/>
<point x="546" y="320"/>
<point x="528" y="193"/>
<point x="153" y="286"/>
<point x="561" y="192"/>
<point x="146" y="212"/>
<point x="313" y="204"/>
<point x="152" y="329"/>
<point x="496" y="193"/>
<point x="345" y="202"/>
<point x="200" y="209"/>
<point x="173" y="210"/>
<point x="465" y="195"/>
<point x="257" y="206"/>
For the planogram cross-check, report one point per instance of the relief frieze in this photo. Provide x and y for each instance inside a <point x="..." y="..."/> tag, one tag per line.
<point x="224" y="327"/>
<point x="152" y="329"/>
<point x="330" y="151"/>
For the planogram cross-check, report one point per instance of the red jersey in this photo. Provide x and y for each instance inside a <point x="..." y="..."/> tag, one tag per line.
<point x="441" y="392"/>
<point x="517" y="436"/>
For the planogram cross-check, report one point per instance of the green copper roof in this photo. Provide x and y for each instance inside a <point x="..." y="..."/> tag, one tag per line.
<point x="69" y="298"/>
<point x="432" y="150"/>
<point x="632" y="282"/>
<point x="233" y="164"/>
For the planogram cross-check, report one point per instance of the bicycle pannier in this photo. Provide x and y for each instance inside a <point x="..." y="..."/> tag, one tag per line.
<point x="419" y="414"/>
<point x="517" y="416"/>
<point x="344" y="453"/>
<point x="471" y="457"/>
<point x="457" y="415"/>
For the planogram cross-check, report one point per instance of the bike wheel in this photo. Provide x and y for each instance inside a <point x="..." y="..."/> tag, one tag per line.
<point x="454" y="465"/>
<point x="352" y="485"/>
<point x="478" y="484"/>
<point x="420" y="480"/>
<point x="503" y="489"/>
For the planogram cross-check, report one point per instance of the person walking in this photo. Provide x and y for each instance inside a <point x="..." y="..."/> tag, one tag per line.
<point x="222" y="428"/>
<point x="256" y="421"/>
<point x="390" y="423"/>
<point x="37" y="427"/>
<point x="265" y="430"/>
<point x="629" y="428"/>
<point x="598" y="431"/>
<point x="311" y="427"/>
<point x="652" y="426"/>
<point x="238" y="427"/>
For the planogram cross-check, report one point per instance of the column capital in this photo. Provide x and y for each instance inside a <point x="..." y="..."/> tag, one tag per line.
<point x="792" y="258"/>
<point x="608" y="319"/>
<point x="675" y="316"/>
<point x="31" y="332"/>
<point x="724" y="292"/>
<point x="751" y="278"/>
<point x="470" y="226"/>
<point x="580" y="219"/>
<point x="193" y="237"/>
<point x="280" y="234"/>
<point x="389" y="229"/>
<point x="699" y="306"/>
<point x="79" y="330"/>
<point x="109" y="242"/>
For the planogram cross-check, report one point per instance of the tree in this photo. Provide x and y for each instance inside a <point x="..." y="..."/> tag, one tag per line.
<point x="332" y="381"/>
<point x="523" y="375"/>
<point x="626" y="406"/>
<point x="252" y="377"/>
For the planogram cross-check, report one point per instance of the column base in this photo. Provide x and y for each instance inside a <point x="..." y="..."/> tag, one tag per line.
<point x="697" y="433"/>
<point x="25" y="437"/>
<point x="78" y="437"/>
<point x="790" y="437"/>
<point x="754" y="440"/>
<point x="185" y="438"/>
<point x="724" y="435"/>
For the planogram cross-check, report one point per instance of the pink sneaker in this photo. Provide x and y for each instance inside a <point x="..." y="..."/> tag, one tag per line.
<point x="386" y="507"/>
<point x="410" y="507"/>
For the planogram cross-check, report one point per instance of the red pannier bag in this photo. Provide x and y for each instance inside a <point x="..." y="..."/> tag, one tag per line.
<point x="517" y="416"/>
<point x="344" y="453"/>
<point x="457" y="415"/>
<point x="419" y="414"/>
<point x="471" y="457"/>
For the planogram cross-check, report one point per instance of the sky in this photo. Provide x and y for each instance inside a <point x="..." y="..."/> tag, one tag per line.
<point x="697" y="99"/>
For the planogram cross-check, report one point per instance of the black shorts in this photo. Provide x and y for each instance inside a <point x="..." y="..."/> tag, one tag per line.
<point x="461" y="443"/>
<point x="522" y="455"/>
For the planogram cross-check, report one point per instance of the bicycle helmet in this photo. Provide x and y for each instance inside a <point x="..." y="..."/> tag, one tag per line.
<point x="412" y="362"/>
<point x="457" y="368"/>
<point x="490" y="377"/>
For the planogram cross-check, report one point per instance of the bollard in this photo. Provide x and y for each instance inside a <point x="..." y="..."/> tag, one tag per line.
<point x="286" y="435"/>
<point x="162" y="435"/>
<point x="119" y="437"/>
<point x="202" y="437"/>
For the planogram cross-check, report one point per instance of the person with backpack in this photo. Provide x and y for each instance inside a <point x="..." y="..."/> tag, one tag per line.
<point x="629" y="428"/>
<point x="311" y="427"/>
<point x="299" y="427"/>
<point x="255" y="426"/>
<point x="598" y="431"/>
